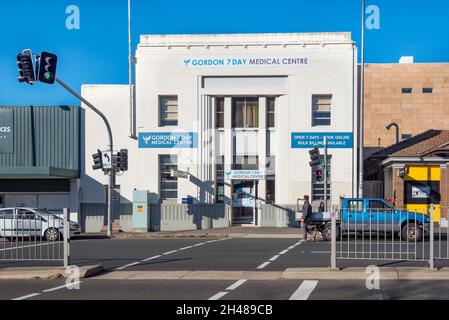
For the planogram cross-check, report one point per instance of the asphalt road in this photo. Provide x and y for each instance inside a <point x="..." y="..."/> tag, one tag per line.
<point x="217" y="255"/>
<point x="223" y="290"/>
<point x="202" y="254"/>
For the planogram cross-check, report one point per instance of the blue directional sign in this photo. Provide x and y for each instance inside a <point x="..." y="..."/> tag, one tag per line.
<point x="335" y="140"/>
<point x="168" y="140"/>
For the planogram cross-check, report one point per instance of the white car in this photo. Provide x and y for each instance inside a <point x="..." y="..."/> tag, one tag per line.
<point x="29" y="222"/>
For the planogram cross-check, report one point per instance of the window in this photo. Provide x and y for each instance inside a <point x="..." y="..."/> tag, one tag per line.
<point x="271" y="178"/>
<point x="245" y="163"/>
<point x="321" y="110"/>
<point x="355" y="205"/>
<point x="406" y="136"/>
<point x="168" y="111"/>
<point x="245" y="112"/>
<point x="270" y="112"/>
<point x="168" y="184"/>
<point x="427" y="90"/>
<point x="407" y="90"/>
<point x="376" y="204"/>
<point x="219" y="113"/>
<point x="318" y="186"/>
<point x="7" y="214"/>
<point x="219" y="170"/>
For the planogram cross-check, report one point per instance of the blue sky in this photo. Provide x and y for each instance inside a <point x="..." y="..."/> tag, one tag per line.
<point x="97" y="53"/>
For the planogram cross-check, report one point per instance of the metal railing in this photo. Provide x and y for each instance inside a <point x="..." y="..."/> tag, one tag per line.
<point x="34" y="235"/>
<point x="392" y="235"/>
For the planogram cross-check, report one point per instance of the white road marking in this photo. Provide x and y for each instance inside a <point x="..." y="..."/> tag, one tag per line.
<point x="263" y="265"/>
<point x="274" y="258"/>
<point x="27" y="296"/>
<point x="218" y="295"/>
<point x="199" y="244"/>
<point x="169" y="252"/>
<point x="127" y="265"/>
<point x="63" y="286"/>
<point x="283" y="252"/>
<point x="304" y="290"/>
<point x="236" y="284"/>
<point x="151" y="258"/>
<point x="291" y="247"/>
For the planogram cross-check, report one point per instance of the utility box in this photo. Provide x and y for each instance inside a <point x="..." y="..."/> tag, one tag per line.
<point x="141" y="214"/>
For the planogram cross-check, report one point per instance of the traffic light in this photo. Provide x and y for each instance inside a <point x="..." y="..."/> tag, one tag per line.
<point x="98" y="160"/>
<point x="47" y="67"/>
<point x="314" y="157"/>
<point x="26" y="68"/>
<point x="122" y="160"/>
<point x="319" y="175"/>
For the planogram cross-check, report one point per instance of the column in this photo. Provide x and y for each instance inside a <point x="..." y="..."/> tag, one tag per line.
<point x="262" y="144"/>
<point x="228" y="148"/>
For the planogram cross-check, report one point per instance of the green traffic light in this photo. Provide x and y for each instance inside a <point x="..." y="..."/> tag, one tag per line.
<point x="48" y="75"/>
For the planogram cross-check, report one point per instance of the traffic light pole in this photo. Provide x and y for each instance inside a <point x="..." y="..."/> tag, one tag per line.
<point x="108" y="127"/>
<point x="325" y="173"/>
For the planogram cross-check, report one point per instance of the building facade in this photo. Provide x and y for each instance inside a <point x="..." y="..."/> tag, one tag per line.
<point x="210" y="106"/>
<point x="412" y="95"/>
<point x="40" y="157"/>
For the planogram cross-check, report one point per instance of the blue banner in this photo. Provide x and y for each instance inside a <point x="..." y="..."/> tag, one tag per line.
<point x="168" y="140"/>
<point x="335" y="140"/>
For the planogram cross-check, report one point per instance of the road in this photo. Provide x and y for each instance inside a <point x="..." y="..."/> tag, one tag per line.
<point x="126" y="257"/>
<point x="222" y="290"/>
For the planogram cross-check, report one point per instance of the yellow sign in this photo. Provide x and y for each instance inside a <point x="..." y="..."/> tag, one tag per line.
<point x="139" y="209"/>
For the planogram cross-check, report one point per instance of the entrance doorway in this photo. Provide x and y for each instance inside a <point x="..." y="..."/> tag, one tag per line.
<point x="244" y="195"/>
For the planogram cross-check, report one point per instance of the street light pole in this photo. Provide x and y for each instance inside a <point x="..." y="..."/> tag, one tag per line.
<point x="110" y="148"/>
<point x="362" y="94"/>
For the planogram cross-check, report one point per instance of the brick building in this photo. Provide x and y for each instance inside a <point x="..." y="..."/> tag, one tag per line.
<point x="415" y="171"/>
<point x="413" y="95"/>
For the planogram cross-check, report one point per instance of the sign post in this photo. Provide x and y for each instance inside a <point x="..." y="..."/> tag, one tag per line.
<point x="325" y="173"/>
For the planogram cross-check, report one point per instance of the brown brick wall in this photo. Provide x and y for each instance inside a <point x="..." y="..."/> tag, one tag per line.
<point x="415" y="112"/>
<point x="398" y="189"/>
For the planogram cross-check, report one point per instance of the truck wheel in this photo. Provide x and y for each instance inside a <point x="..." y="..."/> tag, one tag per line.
<point x="326" y="233"/>
<point x="410" y="232"/>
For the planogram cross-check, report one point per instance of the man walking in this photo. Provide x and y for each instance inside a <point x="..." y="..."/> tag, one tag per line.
<point x="306" y="215"/>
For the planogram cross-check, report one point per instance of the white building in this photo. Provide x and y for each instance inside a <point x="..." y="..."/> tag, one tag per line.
<point x="209" y="104"/>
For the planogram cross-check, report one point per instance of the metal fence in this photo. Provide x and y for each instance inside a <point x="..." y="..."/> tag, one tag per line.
<point x="34" y="235"/>
<point x="391" y="235"/>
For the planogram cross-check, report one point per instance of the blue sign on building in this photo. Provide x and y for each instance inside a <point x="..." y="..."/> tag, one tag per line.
<point x="335" y="140"/>
<point x="168" y="140"/>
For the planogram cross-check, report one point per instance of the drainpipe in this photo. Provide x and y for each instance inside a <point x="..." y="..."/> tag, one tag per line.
<point x="394" y="124"/>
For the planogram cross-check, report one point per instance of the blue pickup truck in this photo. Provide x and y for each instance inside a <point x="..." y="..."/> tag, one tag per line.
<point x="373" y="215"/>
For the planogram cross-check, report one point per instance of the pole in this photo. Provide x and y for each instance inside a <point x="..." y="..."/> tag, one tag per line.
<point x="66" y="235"/>
<point x="325" y="174"/>
<point x="132" y="129"/>
<point x="333" y="238"/>
<point x="362" y="93"/>
<point x="110" y="148"/>
<point x="432" y="230"/>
